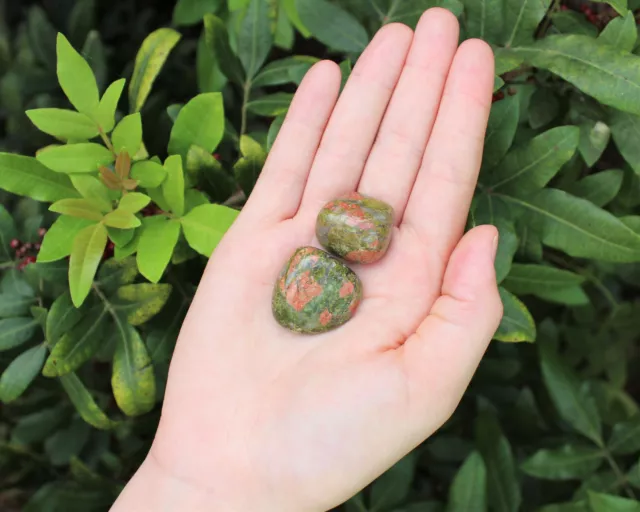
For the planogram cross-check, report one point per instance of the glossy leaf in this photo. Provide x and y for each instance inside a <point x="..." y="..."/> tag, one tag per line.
<point x="84" y="403"/>
<point x="283" y="71"/>
<point x="468" y="491"/>
<point x="155" y="248"/>
<point x="12" y="305"/>
<point x="200" y="122"/>
<point x="190" y="12"/>
<point x="21" y="372"/>
<point x="501" y="130"/>
<point x="572" y="402"/>
<point x="106" y="113"/>
<point x="80" y="208"/>
<point x="88" y="248"/>
<point x="332" y="25"/>
<point x="127" y="135"/>
<point x="84" y="157"/>
<point x="517" y="324"/>
<point x="578" y="227"/>
<point x="63" y="124"/>
<point x="133" y="381"/>
<point x="625" y="129"/>
<point x="121" y="219"/>
<point x="76" y="78"/>
<point x="599" y="188"/>
<point x="540" y="280"/>
<point x="271" y="105"/>
<point x="594" y="139"/>
<point x="58" y="241"/>
<point x="610" y="503"/>
<point x="92" y="189"/>
<point x="484" y="19"/>
<point x="620" y="33"/>
<point x="570" y="462"/>
<point x="625" y="437"/>
<point x="141" y="302"/>
<point x="530" y="167"/>
<point x="173" y="186"/>
<point x="133" y="202"/>
<point x="25" y="176"/>
<point x="521" y="19"/>
<point x="149" y="62"/>
<point x="148" y="174"/>
<point x="608" y="74"/>
<point x="62" y="317"/>
<point x="79" y="344"/>
<point x="205" y="225"/>
<point x="254" y="37"/>
<point x="16" y="331"/>
<point x="217" y="39"/>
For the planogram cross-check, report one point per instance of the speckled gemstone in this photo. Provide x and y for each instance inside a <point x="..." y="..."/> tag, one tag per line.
<point x="356" y="227"/>
<point x="315" y="292"/>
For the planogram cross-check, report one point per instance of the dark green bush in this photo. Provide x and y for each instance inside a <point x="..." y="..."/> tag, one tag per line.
<point x="148" y="173"/>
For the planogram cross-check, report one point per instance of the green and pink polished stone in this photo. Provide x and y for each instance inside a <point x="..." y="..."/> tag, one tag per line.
<point x="315" y="292"/>
<point x="356" y="228"/>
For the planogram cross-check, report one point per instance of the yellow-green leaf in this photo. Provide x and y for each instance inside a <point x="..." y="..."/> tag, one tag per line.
<point x="127" y="135"/>
<point x="133" y="202"/>
<point x="92" y="189"/>
<point x="205" y="225"/>
<point x="517" y="324"/>
<point x="141" y="302"/>
<point x="84" y="403"/>
<point x="148" y="174"/>
<point x="121" y="219"/>
<point x="76" y="78"/>
<point x="106" y="113"/>
<point x="151" y="57"/>
<point x="88" y="248"/>
<point x="155" y="248"/>
<point x="81" y="208"/>
<point x="173" y="186"/>
<point x="58" y="241"/>
<point x="76" y="158"/>
<point x="63" y="124"/>
<point x="21" y="372"/>
<point x="200" y="122"/>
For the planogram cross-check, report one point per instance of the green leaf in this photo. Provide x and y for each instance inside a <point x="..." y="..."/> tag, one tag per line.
<point x="133" y="382"/>
<point x="248" y="168"/>
<point x="115" y="273"/>
<point x="210" y="77"/>
<point x="12" y="306"/>
<point x="503" y="123"/>
<point x="121" y="219"/>
<point x="530" y="167"/>
<point x="517" y="324"/>
<point x="521" y="19"/>
<point x="200" y="123"/>
<point x="21" y="372"/>
<point x="291" y="10"/>
<point x="570" y="462"/>
<point x="283" y="71"/>
<point x="217" y="39"/>
<point x="274" y="130"/>
<point x="141" y="302"/>
<point x="540" y="280"/>
<point x="94" y="52"/>
<point x="205" y="170"/>
<point x="76" y="78"/>
<point x="569" y="22"/>
<point x="625" y="129"/>
<point x="543" y="108"/>
<point x="81" y="208"/>
<point x="608" y="503"/>
<point x="157" y="241"/>
<point x="620" y="33"/>
<point x="484" y="19"/>
<point x="133" y="202"/>
<point x="148" y="174"/>
<point x="173" y="186"/>
<point x="332" y="26"/>
<point x="16" y="331"/>
<point x="271" y="105"/>
<point x="84" y="157"/>
<point x="13" y="282"/>
<point x="67" y="443"/>
<point x="58" y="241"/>
<point x="190" y="12"/>
<point x="573" y="403"/>
<point x="205" y="225"/>
<point x="468" y="492"/>
<point x="619" y="5"/>
<point x="88" y="248"/>
<point x="63" y="124"/>
<point x="93" y="189"/>
<point x="625" y="438"/>
<point x="609" y="75"/>
<point x="503" y="489"/>
<point x="25" y="176"/>
<point x="599" y="188"/>
<point x="392" y="488"/>
<point x="127" y="135"/>
<point x="594" y="139"/>
<point x="8" y="232"/>
<point x="84" y="403"/>
<point x="578" y="227"/>
<point x="150" y="59"/>
<point x="63" y="316"/>
<point x="254" y="37"/>
<point x="79" y="344"/>
<point x="106" y="113"/>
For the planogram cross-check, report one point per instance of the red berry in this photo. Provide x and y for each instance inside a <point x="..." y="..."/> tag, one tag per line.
<point x="15" y="243"/>
<point x="216" y="156"/>
<point x="37" y="246"/>
<point x="42" y="232"/>
<point x="30" y="259"/>
<point x="28" y="246"/>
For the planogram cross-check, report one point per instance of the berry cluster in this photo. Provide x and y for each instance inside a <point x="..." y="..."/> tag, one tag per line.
<point x="26" y="252"/>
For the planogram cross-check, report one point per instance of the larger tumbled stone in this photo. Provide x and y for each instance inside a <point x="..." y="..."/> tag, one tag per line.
<point x="315" y="292"/>
<point x="355" y="227"/>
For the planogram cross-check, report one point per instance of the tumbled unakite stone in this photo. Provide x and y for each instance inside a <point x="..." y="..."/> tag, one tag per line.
<point x="356" y="228"/>
<point x="315" y="292"/>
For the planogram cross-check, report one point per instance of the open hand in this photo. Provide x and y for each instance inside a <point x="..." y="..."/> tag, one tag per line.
<point x="257" y="418"/>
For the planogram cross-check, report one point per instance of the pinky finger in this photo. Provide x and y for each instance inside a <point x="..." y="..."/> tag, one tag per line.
<point x="279" y="189"/>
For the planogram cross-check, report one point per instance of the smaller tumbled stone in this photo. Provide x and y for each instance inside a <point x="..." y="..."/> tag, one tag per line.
<point x="356" y="228"/>
<point x="315" y="292"/>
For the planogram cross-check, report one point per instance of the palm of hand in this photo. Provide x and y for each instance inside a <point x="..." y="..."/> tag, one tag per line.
<point x="266" y="419"/>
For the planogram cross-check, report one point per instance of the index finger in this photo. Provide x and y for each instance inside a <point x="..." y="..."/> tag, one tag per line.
<point x="439" y="202"/>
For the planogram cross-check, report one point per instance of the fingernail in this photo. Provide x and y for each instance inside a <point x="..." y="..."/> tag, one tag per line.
<point x="496" y="239"/>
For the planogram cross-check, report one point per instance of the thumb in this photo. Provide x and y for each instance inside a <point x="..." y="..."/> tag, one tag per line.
<point x="443" y="354"/>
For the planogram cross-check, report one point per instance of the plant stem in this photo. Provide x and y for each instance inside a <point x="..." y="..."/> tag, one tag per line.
<point x="245" y="99"/>
<point x="547" y="20"/>
<point x="105" y="139"/>
<point x="622" y="479"/>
